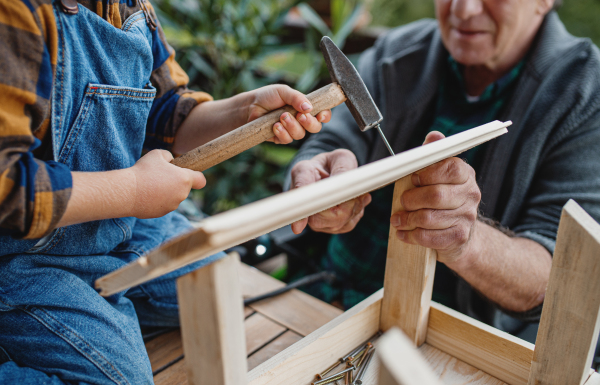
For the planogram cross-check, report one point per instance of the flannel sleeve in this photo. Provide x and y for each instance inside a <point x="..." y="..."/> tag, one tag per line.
<point x="174" y="100"/>
<point x="33" y="193"/>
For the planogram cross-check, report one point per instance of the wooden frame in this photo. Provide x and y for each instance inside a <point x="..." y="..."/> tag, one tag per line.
<point x="507" y="358"/>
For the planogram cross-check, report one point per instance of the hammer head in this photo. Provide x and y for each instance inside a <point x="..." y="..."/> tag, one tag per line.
<point x="359" y="101"/>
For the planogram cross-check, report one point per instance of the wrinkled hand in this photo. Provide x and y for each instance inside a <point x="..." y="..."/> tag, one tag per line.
<point x="288" y="128"/>
<point x="160" y="186"/>
<point x="338" y="219"/>
<point x="441" y="212"/>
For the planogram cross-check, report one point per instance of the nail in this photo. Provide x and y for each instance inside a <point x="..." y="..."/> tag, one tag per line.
<point x="363" y="369"/>
<point x="302" y="118"/>
<point x="277" y="128"/>
<point x="306" y="106"/>
<point x="332" y="378"/>
<point x="329" y="369"/>
<point x="400" y="235"/>
<point x="286" y="116"/>
<point x="396" y="220"/>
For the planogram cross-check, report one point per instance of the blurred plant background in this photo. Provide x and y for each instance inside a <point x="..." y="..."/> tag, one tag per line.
<point x="232" y="46"/>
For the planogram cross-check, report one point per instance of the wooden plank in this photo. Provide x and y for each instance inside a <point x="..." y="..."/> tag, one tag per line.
<point x="239" y="225"/>
<point x="212" y="328"/>
<point x="495" y="352"/>
<point x="260" y="331"/>
<point x="295" y="310"/>
<point x="401" y="363"/>
<point x="408" y="282"/>
<point x="164" y="349"/>
<point x="448" y="369"/>
<point x="279" y="344"/>
<point x="298" y="364"/>
<point x="569" y="326"/>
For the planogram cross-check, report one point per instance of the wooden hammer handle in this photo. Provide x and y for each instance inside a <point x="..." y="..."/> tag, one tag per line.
<point x="254" y="132"/>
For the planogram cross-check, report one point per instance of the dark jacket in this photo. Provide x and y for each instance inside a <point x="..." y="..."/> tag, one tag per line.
<point x="551" y="153"/>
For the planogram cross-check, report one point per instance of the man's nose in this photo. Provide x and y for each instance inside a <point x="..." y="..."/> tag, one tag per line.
<point x="465" y="9"/>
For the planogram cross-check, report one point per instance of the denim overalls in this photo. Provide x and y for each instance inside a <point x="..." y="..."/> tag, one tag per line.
<point x="54" y="326"/>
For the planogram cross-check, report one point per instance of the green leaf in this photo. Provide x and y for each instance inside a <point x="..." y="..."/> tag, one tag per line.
<point x="346" y="29"/>
<point x="313" y="19"/>
<point x="201" y="65"/>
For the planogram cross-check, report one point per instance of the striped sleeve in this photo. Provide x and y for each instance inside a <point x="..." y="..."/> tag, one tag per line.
<point x="174" y="100"/>
<point x="33" y="193"/>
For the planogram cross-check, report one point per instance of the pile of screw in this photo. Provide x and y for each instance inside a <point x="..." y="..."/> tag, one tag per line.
<point x="354" y="365"/>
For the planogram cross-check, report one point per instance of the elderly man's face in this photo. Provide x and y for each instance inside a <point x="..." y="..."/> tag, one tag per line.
<point x="493" y="33"/>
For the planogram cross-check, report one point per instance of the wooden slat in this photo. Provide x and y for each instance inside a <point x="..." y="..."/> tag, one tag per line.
<point x="401" y="363"/>
<point x="239" y="225"/>
<point x="408" y="283"/>
<point x="280" y="343"/>
<point x="498" y="353"/>
<point x="164" y="349"/>
<point x="448" y="369"/>
<point x="570" y="322"/>
<point x="212" y="328"/>
<point x="295" y="310"/>
<point x="260" y="331"/>
<point x="298" y="364"/>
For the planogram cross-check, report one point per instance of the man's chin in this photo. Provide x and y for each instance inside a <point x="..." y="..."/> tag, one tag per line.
<point x="470" y="55"/>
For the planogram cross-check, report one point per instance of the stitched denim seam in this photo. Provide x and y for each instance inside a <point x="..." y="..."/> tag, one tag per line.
<point x="133" y="17"/>
<point x="70" y="144"/>
<point x="53" y="241"/>
<point x="62" y="72"/>
<point x="125" y="95"/>
<point x="121" y="227"/>
<point x="74" y="343"/>
<point x="102" y="87"/>
<point x="132" y="23"/>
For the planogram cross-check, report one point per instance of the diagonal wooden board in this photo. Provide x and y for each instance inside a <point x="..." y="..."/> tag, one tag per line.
<point x="233" y="227"/>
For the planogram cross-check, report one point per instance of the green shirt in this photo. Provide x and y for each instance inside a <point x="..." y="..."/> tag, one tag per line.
<point x="358" y="258"/>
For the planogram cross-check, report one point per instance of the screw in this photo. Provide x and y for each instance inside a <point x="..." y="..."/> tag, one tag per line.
<point x="332" y="378"/>
<point x="363" y="369"/>
<point x="362" y="358"/>
<point x="329" y="369"/>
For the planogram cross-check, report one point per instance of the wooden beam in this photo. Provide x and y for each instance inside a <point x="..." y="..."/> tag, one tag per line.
<point x="408" y="282"/>
<point x="569" y="326"/>
<point x="400" y="363"/>
<point x="500" y="354"/>
<point x="298" y="364"/>
<point x="212" y="324"/>
<point x="239" y="225"/>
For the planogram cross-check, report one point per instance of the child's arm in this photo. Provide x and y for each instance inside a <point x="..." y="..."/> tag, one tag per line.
<point x="151" y="188"/>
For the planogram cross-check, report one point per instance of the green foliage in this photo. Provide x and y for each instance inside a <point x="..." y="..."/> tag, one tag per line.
<point x="582" y="18"/>
<point x="220" y="42"/>
<point x="344" y="16"/>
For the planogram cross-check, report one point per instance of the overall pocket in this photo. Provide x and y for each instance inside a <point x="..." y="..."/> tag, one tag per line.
<point x="107" y="134"/>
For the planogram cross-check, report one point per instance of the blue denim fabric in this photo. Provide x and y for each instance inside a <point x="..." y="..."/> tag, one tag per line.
<point x="55" y="328"/>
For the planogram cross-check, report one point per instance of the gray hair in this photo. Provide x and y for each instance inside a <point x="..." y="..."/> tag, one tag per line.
<point x="557" y="4"/>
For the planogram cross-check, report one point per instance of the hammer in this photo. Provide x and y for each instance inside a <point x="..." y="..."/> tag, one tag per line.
<point x="347" y="87"/>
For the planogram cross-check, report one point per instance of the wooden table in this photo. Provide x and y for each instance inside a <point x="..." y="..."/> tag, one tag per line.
<point x="276" y="323"/>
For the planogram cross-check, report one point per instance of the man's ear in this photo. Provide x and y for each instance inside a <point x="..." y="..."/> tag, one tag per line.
<point x="544" y="6"/>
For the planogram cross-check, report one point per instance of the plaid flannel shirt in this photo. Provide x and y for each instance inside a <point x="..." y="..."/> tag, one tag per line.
<point x="34" y="190"/>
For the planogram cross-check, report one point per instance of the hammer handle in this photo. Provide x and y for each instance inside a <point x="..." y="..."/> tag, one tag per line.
<point x="254" y="132"/>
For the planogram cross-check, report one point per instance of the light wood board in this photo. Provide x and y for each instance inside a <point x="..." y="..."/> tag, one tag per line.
<point x="408" y="282"/>
<point x="239" y="225"/>
<point x="212" y="324"/>
<point x="495" y="352"/>
<point x="400" y="363"/>
<point x="279" y="344"/>
<point x="569" y="326"/>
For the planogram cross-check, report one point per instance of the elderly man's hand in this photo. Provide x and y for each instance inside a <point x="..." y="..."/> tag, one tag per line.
<point x="338" y="219"/>
<point x="441" y="212"/>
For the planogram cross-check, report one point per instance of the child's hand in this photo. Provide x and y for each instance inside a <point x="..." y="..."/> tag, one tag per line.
<point x="288" y="128"/>
<point x="160" y="186"/>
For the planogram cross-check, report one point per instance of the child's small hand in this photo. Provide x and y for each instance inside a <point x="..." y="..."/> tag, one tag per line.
<point x="160" y="186"/>
<point x="288" y="128"/>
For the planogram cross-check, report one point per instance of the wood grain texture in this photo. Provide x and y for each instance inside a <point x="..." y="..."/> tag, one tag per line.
<point x="449" y="370"/>
<point x="239" y="225"/>
<point x="212" y="324"/>
<point x="569" y="326"/>
<point x="500" y="354"/>
<point x="254" y="132"/>
<point x="260" y="331"/>
<point x="298" y="364"/>
<point x="164" y="349"/>
<point x="279" y="344"/>
<point x="408" y="282"/>
<point x="400" y="363"/>
<point x="295" y="309"/>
